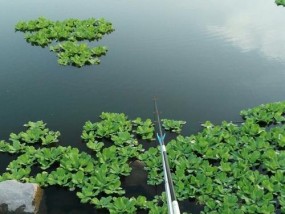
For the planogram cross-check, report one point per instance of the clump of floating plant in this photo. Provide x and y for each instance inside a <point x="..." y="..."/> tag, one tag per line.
<point x="145" y="129"/>
<point x="280" y="2"/>
<point x="131" y="205"/>
<point x="226" y="168"/>
<point x="95" y="178"/>
<point x="68" y="34"/>
<point x="230" y="168"/>
<point x="266" y="113"/>
<point x="78" y="54"/>
<point x="173" y="125"/>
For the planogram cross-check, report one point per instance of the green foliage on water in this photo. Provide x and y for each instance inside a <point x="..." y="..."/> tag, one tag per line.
<point x="68" y="34"/>
<point x="280" y="2"/>
<point x="96" y="178"/>
<point x="228" y="168"/>
<point x="78" y="54"/>
<point x="266" y="113"/>
<point x="173" y="125"/>
<point x="145" y="129"/>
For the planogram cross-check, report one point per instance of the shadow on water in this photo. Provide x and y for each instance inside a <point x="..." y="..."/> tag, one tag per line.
<point x="190" y="206"/>
<point x="62" y="201"/>
<point x="5" y="159"/>
<point x="136" y="183"/>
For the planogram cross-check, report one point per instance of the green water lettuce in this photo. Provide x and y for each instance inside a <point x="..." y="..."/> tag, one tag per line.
<point x="123" y="205"/>
<point x="173" y="125"/>
<point x="41" y="179"/>
<point x="226" y="168"/>
<point x="61" y="177"/>
<point x="73" y="53"/>
<point x="48" y="156"/>
<point x="266" y="113"/>
<point x="280" y="2"/>
<point x="117" y="204"/>
<point x="95" y="146"/>
<point x="111" y="124"/>
<point x="68" y="33"/>
<point x="124" y="138"/>
<point x="145" y="129"/>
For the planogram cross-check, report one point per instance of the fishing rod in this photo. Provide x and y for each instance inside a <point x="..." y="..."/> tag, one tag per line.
<point x="173" y="207"/>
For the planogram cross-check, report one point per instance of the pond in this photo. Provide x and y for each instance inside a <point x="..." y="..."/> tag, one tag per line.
<point x="203" y="62"/>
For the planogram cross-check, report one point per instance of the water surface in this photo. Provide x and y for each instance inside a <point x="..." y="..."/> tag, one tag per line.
<point x="204" y="61"/>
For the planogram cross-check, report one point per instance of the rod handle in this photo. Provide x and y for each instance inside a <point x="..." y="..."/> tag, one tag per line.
<point x="175" y="207"/>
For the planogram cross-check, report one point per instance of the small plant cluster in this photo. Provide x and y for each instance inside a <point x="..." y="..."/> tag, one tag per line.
<point x="96" y="177"/>
<point x="227" y="168"/>
<point x="280" y="2"/>
<point x="42" y="32"/>
<point x="266" y="113"/>
<point x="112" y="123"/>
<point x="173" y="125"/>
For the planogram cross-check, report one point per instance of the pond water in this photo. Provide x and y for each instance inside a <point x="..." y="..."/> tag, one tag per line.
<point x="204" y="61"/>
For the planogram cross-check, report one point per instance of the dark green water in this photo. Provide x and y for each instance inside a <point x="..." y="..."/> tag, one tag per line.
<point x="204" y="61"/>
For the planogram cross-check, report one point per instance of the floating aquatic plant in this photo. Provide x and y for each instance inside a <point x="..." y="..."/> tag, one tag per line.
<point x="145" y="129"/>
<point x="117" y="204"/>
<point x="280" y="2"/>
<point x="173" y="125"/>
<point x="95" y="146"/>
<point x="67" y="33"/>
<point x="266" y="113"/>
<point x="227" y="168"/>
<point x="72" y="53"/>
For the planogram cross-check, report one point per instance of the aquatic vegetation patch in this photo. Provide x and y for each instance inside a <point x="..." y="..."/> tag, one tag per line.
<point x="227" y="168"/>
<point x="173" y="125"/>
<point x="266" y="113"/>
<point x="72" y="53"/>
<point x="280" y="2"/>
<point x="131" y="205"/>
<point x="94" y="178"/>
<point x="68" y="34"/>
<point x="145" y="129"/>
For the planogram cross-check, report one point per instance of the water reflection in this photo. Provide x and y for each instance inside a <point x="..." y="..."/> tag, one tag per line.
<point x="251" y="27"/>
<point x="159" y="48"/>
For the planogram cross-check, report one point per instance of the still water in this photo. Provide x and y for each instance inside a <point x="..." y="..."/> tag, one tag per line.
<point x="204" y="61"/>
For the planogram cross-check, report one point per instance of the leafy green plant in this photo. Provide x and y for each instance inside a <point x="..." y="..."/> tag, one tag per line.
<point x="106" y="182"/>
<point x="12" y="148"/>
<point x="95" y="146"/>
<point x="36" y="133"/>
<point x="60" y="176"/>
<point x="48" y="156"/>
<point x="145" y="129"/>
<point x="173" y="125"/>
<point x="73" y="53"/>
<point x="266" y="113"/>
<point x="153" y="165"/>
<point x="119" y="205"/>
<point x="280" y="2"/>
<point x="130" y="205"/>
<point x="42" y="32"/>
<point x="108" y="155"/>
<point x="227" y="168"/>
<point x="41" y="179"/>
<point x="124" y="138"/>
<point x="73" y="160"/>
<point x="111" y="124"/>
